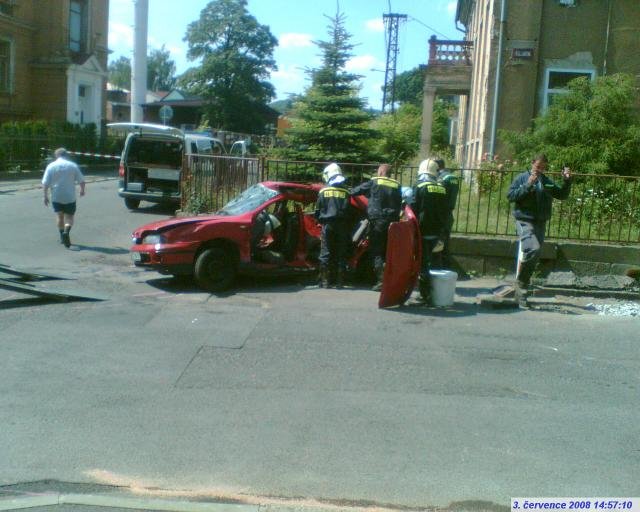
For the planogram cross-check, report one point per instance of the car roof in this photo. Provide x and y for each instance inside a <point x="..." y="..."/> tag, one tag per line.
<point x="291" y="185"/>
<point x="146" y="128"/>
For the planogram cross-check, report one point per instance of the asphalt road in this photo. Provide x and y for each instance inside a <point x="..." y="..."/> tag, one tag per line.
<point x="286" y="392"/>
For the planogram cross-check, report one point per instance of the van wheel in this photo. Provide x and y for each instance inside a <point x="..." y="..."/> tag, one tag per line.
<point x="215" y="269"/>
<point x="130" y="203"/>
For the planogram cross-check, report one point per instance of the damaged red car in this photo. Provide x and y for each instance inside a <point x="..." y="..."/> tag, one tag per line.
<point x="270" y="229"/>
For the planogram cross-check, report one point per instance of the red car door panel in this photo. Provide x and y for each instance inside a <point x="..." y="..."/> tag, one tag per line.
<point x="403" y="260"/>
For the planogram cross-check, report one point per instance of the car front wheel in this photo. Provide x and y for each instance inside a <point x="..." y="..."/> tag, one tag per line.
<point x="215" y="269"/>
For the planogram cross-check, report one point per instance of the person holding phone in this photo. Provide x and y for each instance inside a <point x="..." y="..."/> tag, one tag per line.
<point x="533" y="193"/>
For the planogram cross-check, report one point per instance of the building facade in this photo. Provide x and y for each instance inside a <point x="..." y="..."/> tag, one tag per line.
<point x="524" y="54"/>
<point x="53" y="60"/>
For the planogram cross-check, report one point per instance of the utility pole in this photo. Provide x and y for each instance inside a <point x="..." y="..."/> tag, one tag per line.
<point x="391" y="24"/>
<point x="139" y="67"/>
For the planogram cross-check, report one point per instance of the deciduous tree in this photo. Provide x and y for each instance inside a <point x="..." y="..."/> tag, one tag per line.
<point x="594" y="127"/>
<point x="161" y="70"/>
<point x="236" y="58"/>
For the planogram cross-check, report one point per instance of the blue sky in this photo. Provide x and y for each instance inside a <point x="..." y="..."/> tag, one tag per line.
<point x="296" y="23"/>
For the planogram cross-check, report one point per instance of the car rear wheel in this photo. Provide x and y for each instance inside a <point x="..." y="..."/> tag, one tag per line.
<point x="130" y="203"/>
<point x="215" y="269"/>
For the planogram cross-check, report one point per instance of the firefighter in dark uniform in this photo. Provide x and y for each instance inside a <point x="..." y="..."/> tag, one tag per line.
<point x="385" y="200"/>
<point x="332" y="211"/>
<point x="451" y="184"/>
<point x="432" y="210"/>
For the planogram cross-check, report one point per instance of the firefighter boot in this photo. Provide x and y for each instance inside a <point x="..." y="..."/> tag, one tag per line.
<point x="323" y="278"/>
<point x="424" y="287"/>
<point x="379" y="272"/>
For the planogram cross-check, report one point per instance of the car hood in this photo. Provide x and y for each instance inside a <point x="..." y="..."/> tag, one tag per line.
<point x="165" y="225"/>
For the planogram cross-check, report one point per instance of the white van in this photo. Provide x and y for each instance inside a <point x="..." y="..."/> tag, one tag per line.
<point x="151" y="161"/>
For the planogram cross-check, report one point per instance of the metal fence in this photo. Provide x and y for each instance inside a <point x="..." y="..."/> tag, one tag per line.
<point x="31" y="152"/>
<point x="209" y="182"/>
<point x="599" y="208"/>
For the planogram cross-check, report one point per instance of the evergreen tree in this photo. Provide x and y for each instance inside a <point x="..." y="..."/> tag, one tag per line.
<point x="329" y="122"/>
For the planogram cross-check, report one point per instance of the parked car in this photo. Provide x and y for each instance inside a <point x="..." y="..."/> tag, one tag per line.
<point x="151" y="161"/>
<point x="269" y="229"/>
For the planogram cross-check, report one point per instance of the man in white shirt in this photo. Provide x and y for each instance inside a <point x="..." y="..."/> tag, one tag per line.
<point x="61" y="176"/>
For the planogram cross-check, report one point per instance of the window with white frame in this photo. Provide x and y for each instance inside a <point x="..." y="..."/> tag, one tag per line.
<point x="78" y="26"/>
<point x="557" y="79"/>
<point x="5" y="66"/>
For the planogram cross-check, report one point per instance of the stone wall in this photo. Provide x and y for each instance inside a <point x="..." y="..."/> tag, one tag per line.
<point x="496" y="256"/>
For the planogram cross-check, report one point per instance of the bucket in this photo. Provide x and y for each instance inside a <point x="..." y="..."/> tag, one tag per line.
<point x="443" y="287"/>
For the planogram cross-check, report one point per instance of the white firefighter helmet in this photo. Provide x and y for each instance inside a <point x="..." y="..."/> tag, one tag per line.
<point x="428" y="167"/>
<point x="330" y="171"/>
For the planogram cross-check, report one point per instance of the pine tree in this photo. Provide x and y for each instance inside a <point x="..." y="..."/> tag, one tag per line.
<point x="329" y="122"/>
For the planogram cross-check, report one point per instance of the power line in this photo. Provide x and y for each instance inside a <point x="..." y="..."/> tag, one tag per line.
<point x="430" y="28"/>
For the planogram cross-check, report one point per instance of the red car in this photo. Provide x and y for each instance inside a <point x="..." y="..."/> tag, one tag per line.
<point x="269" y="229"/>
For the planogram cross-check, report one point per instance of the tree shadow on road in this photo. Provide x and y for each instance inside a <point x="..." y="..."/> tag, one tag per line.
<point x="93" y="248"/>
<point x="457" y="309"/>
<point x="156" y="209"/>
<point x="243" y="284"/>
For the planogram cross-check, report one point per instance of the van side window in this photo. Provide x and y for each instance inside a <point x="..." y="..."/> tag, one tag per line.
<point x="194" y="148"/>
<point x="204" y="147"/>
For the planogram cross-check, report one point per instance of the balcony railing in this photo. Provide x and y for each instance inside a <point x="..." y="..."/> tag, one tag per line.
<point x="446" y="52"/>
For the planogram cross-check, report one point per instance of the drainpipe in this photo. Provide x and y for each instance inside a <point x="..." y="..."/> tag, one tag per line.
<point x="606" y="42"/>
<point x="496" y="92"/>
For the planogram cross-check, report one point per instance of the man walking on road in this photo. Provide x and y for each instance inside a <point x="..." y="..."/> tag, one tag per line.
<point x="533" y="192"/>
<point x="61" y="176"/>
<point x="385" y="200"/>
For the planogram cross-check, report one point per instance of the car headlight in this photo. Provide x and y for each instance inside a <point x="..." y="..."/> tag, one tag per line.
<point x="153" y="239"/>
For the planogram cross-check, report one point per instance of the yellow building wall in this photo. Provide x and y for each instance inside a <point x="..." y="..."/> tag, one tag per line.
<point x="39" y="31"/>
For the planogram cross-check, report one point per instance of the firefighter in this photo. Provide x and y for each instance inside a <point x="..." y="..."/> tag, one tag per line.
<point x="432" y="210"/>
<point x="452" y="186"/>
<point x="332" y="212"/>
<point x="385" y="201"/>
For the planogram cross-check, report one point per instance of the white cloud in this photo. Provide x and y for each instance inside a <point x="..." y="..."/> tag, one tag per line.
<point x="375" y="25"/>
<point x="362" y="63"/>
<point x="288" y="75"/>
<point x="294" y="40"/>
<point x="451" y="7"/>
<point x="120" y="36"/>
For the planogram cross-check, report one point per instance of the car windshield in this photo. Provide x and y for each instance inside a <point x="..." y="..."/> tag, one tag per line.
<point x="249" y="200"/>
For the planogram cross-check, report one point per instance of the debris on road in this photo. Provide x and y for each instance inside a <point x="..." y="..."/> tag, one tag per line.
<point x="621" y="309"/>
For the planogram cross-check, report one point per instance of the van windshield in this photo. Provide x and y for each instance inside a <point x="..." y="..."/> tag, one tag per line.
<point x="249" y="200"/>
